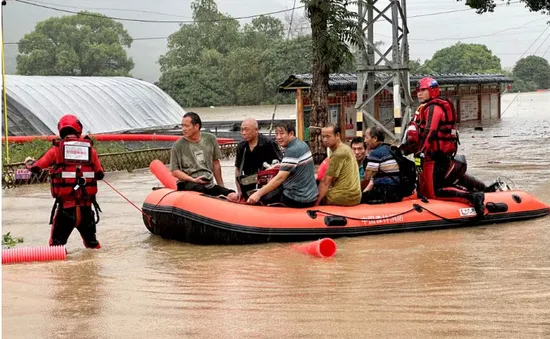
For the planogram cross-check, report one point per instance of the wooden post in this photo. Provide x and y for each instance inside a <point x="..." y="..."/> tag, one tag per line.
<point x="342" y="120"/>
<point x="299" y="114"/>
<point x="499" y="99"/>
<point x="479" y="102"/>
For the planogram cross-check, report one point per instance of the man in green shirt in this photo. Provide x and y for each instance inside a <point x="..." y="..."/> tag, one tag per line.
<point x="340" y="184"/>
<point x="195" y="160"/>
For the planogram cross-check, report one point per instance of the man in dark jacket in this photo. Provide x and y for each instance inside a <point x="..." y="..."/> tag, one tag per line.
<point x="252" y="153"/>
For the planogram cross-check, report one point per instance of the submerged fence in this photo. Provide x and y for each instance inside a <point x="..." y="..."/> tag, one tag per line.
<point x="14" y="175"/>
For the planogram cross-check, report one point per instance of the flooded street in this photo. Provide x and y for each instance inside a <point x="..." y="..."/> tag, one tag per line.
<point x="481" y="282"/>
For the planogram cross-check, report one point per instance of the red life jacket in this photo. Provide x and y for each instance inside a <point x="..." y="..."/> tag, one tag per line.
<point x="413" y="141"/>
<point x="73" y="175"/>
<point x="445" y="140"/>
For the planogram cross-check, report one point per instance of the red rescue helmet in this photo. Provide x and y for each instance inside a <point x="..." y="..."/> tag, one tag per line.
<point x="69" y="124"/>
<point x="431" y="85"/>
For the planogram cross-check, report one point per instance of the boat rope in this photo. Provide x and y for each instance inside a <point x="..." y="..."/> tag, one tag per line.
<point x="455" y="221"/>
<point x="131" y="203"/>
<point x="313" y="214"/>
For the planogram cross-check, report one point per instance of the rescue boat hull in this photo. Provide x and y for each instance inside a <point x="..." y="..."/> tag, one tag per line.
<point x="200" y="219"/>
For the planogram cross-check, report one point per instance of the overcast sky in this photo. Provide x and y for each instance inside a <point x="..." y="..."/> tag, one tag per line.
<point x="509" y="32"/>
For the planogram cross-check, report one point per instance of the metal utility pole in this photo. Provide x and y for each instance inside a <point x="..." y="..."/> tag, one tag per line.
<point x="371" y="71"/>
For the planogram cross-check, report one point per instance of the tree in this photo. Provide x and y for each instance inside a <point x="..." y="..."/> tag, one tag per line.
<point x="464" y="58"/>
<point x="483" y="6"/>
<point x="263" y="31"/>
<point x="533" y="69"/>
<point x="522" y="86"/>
<point x="198" y="84"/>
<point x="213" y="61"/>
<point x="211" y="30"/>
<point x="416" y="67"/>
<point x="332" y="27"/>
<point x="85" y="44"/>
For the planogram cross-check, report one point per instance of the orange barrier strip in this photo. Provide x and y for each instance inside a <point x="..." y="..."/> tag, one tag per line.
<point x="113" y="137"/>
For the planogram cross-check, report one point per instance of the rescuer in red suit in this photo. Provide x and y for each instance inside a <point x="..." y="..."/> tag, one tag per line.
<point x="432" y="136"/>
<point x="74" y="171"/>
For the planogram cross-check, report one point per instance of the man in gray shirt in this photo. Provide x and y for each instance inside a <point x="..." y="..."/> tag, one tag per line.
<point x="294" y="185"/>
<point x="194" y="160"/>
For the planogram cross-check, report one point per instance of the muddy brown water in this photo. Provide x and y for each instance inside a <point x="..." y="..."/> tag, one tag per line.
<point x="480" y="282"/>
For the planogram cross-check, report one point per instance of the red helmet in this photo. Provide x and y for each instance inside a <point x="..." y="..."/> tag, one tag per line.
<point x="69" y="124"/>
<point x="431" y="85"/>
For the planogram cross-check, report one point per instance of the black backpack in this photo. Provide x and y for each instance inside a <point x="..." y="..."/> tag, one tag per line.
<point x="407" y="171"/>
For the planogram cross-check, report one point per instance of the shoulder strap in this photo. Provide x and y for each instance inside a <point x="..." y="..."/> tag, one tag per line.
<point x="242" y="161"/>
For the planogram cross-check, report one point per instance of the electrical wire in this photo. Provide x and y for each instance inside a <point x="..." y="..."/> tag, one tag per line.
<point x="155" y="21"/>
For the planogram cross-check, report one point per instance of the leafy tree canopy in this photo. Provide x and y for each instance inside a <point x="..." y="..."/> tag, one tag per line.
<point x="483" y="6"/>
<point x="533" y="69"/>
<point x="85" y="44"/>
<point x="464" y="58"/>
<point x="216" y="61"/>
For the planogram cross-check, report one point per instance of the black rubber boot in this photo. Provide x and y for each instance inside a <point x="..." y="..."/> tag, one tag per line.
<point x="478" y="199"/>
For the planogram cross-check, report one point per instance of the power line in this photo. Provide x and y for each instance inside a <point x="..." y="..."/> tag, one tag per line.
<point x="291" y="19"/>
<point x="547" y="49"/>
<point x="542" y="43"/>
<point x="112" y="9"/>
<point x="482" y="35"/>
<point x="528" y="48"/>
<point x="156" y="21"/>
<point x="452" y="11"/>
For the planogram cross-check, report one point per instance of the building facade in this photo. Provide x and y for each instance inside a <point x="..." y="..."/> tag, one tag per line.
<point x="476" y="98"/>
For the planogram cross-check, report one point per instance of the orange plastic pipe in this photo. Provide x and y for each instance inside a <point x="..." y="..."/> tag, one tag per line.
<point x="324" y="248"/>
<point x="28" y="254"/>
<point x="113" y="137"/>
<point x="163" y="174"/>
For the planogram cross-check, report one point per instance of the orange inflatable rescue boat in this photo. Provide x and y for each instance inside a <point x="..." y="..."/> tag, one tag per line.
<point x="201" y="219"/>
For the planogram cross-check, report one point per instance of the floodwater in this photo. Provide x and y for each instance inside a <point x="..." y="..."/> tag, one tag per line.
<point x="480" y="282"/>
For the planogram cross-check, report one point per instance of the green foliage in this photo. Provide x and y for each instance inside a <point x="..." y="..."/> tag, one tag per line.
<point x="221" y="63"/>
<point x="85" y="44"/>
<point x="533" y="70"/>
<point x="483" y="6"/>
<point x="334" y="29"/>
<point x="520" y="85"/>
<point x="8" y="241"/>
<point x="417" y="67"/>
<point x="464" y="58"/>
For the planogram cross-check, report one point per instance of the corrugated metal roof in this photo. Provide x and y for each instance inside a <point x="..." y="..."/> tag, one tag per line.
<point x="103" y="104"/>
<point x="348" y="81"/>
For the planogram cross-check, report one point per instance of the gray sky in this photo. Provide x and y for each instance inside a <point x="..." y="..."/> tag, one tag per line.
<point x="508" y="32"/>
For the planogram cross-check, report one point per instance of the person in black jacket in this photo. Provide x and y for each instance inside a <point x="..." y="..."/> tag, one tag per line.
<point x="253" y="152"/>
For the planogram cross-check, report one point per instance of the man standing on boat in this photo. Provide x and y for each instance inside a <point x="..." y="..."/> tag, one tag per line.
<point x="340" y="184"/>
<point x="195" y="160"/>
<point x="294" y="185"/>
<point x="255" y="150"/>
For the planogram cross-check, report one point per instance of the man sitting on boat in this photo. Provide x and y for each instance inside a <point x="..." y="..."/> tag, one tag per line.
<point x="294" y="185"/>
<point x="194" y="160"/>
<point x="340" y="184"/>
<point x="253" y="153"/>
<point x="382" y="168"/>
<point x="359" y="148"/>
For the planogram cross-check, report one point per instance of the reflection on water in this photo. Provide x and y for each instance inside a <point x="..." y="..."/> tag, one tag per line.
<point x="480" y="282"/>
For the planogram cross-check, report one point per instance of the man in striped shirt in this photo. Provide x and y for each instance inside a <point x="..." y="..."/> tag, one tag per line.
<point x="294" y="185"/>
<point x="382" y="168"/>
